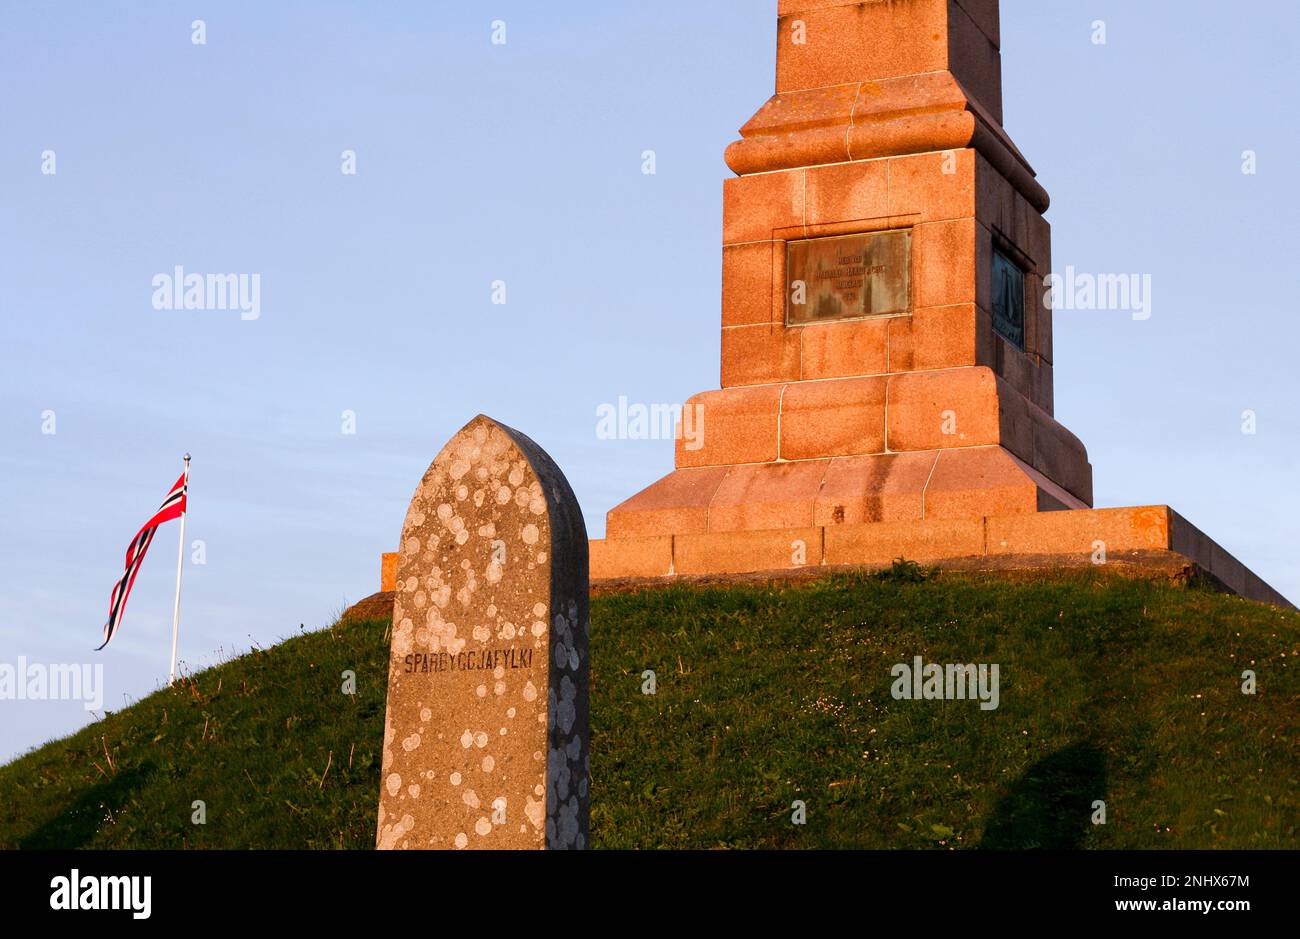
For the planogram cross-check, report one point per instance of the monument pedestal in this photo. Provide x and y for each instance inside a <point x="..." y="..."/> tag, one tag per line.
<point x="886" y="335"/>
<point x="886" y="381"/>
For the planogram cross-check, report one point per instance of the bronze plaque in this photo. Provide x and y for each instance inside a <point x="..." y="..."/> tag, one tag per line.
<point x="848" y="277"/>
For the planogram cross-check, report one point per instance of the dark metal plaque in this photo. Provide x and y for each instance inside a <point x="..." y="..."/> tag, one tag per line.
<point x="1009" y="299"/>
<point x="848" y="277"/>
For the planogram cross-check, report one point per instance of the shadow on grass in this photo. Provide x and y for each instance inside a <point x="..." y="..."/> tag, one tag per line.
<point x="76" y="825"/>
<point x="1050" y="806"/>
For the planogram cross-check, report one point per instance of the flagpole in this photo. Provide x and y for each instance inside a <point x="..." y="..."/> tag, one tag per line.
<point x="180" y="562"/>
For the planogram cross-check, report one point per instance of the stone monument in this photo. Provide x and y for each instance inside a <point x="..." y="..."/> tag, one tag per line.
<point x="887" y="360"/>
<point x="485" y="736"/>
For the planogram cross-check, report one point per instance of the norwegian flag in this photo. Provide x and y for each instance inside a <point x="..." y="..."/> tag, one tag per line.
<point x="172" y="507"/>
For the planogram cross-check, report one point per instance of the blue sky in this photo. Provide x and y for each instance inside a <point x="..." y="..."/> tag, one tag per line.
<point x="522" y="163"/>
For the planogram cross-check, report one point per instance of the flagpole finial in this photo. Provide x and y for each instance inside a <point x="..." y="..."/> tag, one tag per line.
<point x="187" y="458"/>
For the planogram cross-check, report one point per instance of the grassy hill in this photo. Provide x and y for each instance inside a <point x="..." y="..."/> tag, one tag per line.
<point x="1120" y="690"/>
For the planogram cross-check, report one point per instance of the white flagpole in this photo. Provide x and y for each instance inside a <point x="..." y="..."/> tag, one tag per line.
<point x="180" y="561"/>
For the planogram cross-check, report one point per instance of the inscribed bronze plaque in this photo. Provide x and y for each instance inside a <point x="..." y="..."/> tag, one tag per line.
<point x="848" y="277"/>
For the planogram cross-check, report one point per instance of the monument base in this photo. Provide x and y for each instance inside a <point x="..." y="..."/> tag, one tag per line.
<point x="972" y="482"/>
<point x="1016" y="541"/>
<point x="1142" y="541"/>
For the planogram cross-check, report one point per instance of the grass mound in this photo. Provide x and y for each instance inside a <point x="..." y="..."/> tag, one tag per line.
<point x="1117" y="691"/>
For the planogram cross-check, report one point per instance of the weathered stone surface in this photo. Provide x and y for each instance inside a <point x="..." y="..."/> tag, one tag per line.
<point x="485" y="737"/>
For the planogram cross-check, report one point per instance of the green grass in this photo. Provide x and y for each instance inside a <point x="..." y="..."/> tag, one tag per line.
<point x="1119" y="690"/>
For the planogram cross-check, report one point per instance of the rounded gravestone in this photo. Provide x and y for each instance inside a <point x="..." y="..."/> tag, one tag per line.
<point x="485" y="736"/>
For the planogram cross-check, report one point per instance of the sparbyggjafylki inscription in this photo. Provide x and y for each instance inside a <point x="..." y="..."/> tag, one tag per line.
<point x="485" y="660"/>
